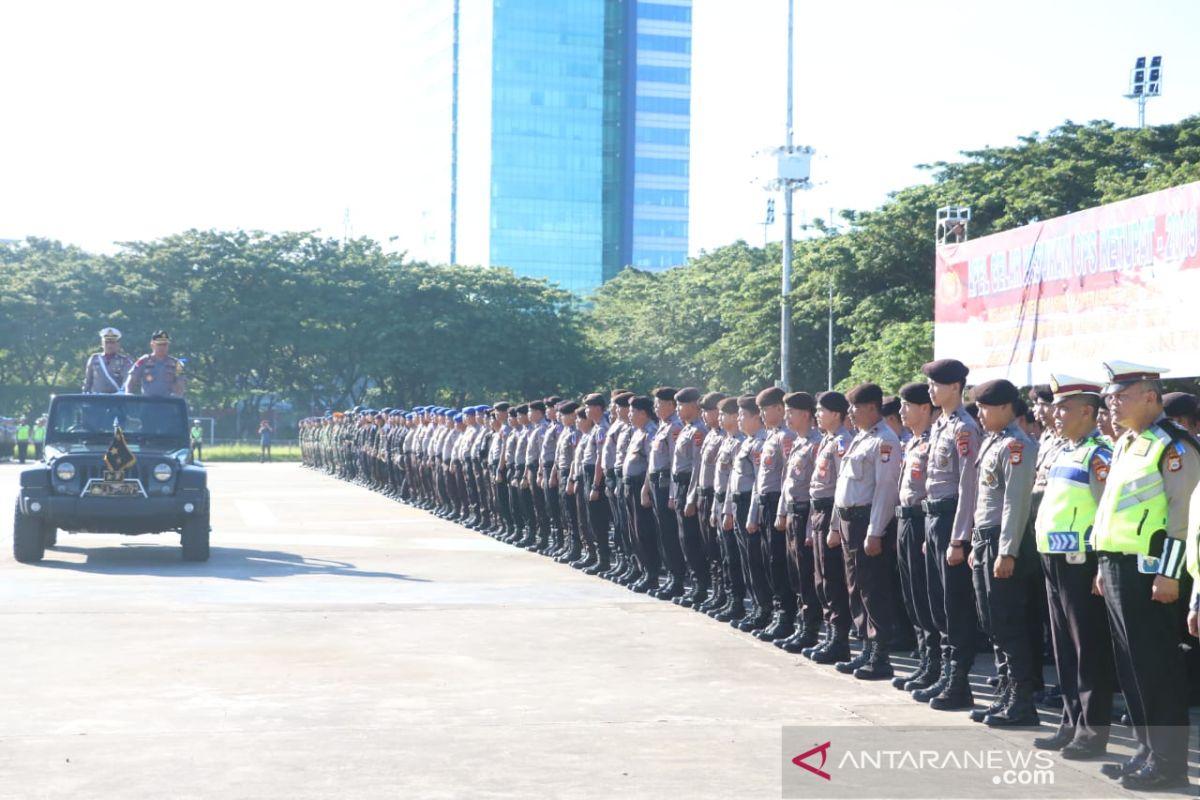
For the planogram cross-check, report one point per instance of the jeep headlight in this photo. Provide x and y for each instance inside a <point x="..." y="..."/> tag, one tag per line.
<point x="162" y="472"/>
<point x="65" y="471"/>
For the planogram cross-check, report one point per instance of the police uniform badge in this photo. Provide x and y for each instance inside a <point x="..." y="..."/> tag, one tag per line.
<point x="885" y="453"/>
<point x="1175" y="458"/>
<point x="963" y="441"/>
<point x="1016" y="452"/>
<point x="1100" y="468"/>
<point x="697" y="437"/>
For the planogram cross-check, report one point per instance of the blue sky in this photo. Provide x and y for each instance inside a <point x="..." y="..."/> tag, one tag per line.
<point x="129" y="120"/>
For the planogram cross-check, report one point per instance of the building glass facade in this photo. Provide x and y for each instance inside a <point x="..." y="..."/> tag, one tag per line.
<point x="568" y="127"/>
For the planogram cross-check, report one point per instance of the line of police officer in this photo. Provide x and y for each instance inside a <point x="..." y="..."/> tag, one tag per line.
<point x="800" y="518"/>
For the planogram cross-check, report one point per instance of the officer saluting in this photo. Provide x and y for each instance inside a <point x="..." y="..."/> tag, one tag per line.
<point x="106" y="371"/>
<point x="158" y="373"/>
<point x="1141" y="525"/>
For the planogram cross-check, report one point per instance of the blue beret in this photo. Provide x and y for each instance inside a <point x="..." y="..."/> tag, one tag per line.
<point x="458" y="417"/>
<point x="468" y="410"/>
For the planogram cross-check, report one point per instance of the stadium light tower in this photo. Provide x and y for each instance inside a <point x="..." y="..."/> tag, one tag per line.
<point x="1145" y="82"/>
<point x="791" y="173"/>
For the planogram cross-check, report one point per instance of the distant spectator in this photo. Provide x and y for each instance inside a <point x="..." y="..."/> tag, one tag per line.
<point x="23" y="437"/>
<point x="264" y="439"/>
<point x="197" y="440"/>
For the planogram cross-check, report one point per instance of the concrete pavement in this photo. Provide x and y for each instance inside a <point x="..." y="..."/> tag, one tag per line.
<point x="339" y="644"/>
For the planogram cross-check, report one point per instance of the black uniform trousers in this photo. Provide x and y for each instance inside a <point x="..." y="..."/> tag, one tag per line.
<point x="951" y="594"/>
<point x="612" y="493"/>
<point x="597" y="515"/>
<point x="1003" y="603"/>
<point x="870" y="577"/>
<point x="776" y="544"/>
<point x="690" y="540"/>
<point x="709" y="534"/>
<point x="910" y="564"/>
<point x="644" y="527"/>
<point x="731" y="559"/>
<point x="1145" y="638"/>
<point x="801" y="572"/>
<point x="752" y="553"/>
<point x="568" y="508"/>
<point x="668" y="531"/>
<point x="1082" y="647"/>
<point x="553" y="504"/>
<point x="829" y="568"/>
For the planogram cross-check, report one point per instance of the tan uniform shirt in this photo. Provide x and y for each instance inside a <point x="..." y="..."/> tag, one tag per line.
<point x="953" y="468"/>
<point x="1007" y="465"/>
<point x="870" y="475"/>
<point x="156" y="377"/>
<point x="106" y="374"/>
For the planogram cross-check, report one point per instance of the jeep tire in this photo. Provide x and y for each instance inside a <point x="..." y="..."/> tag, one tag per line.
<point x="29" y="537"/>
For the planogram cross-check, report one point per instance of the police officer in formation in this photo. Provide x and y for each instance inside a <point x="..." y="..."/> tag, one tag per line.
<point x="808" y="520"/>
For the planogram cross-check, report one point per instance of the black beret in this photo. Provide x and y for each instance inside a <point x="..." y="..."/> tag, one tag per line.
<point x="569" y="407"/>
<point x="537" y="405"/>
<point x="747" y="403"/>
<point x="502" y="406"/>
<point x="613" y="394"/>
<point x="729" y="405"/>
<point x="996" y="393"/>
<point x="1180" y="404"/>
<point x="1041" y="393"/>
<point x="865" y="393"/>
<point x="664" y="393"/>
<point x="946" y="370"/>
<point x="553" y="400"/>
<point x="801" y="400"/>
<point x="916" y="392"/>
<point x="642" y="403"/>
<point x="688" y="394"/>
<point x="890" y="407"/>
<point x="623" y="399"/>
<point x="523" y="408"/>
<point x="833" y="401"/>
<point x="712" y="400"/>
<point x="595" y="399"/>
<point x="772" y="396"/>
<point x="512" y="413"/>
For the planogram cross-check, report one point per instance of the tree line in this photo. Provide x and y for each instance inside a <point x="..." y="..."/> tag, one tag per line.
<point x="270" y="318"/>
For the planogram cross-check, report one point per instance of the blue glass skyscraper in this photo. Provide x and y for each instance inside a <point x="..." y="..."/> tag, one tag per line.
<point x="564" y="143"/>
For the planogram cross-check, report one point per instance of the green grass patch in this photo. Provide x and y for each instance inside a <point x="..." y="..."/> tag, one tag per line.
<point x="248" y="451"/>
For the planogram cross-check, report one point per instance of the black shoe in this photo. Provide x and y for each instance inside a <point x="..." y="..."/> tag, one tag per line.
<point x="673" y="589"/>
<point x="1151" y="777"/>
<point x="753" y="622"/>
<point x="810" y="651"/>
<point x="1128" y="766"/>
<point x="735" y="611"/>
<point x="916" y="677"/>
<point x="848" y="666"/>
<point x="837" y="649"/>
<point x="1082" y="751"/>
<point x="688" y="598"/>
<point x="597" y="568"/>
<point x="1019" y="712"/>
<point x="878" y="666"/>
<point x="698" y="599"/>
<point x="999" y="701"/>
<point x="957" y="694"/>
<point x="1059" y="741"/>
<point x="781" y="627"/>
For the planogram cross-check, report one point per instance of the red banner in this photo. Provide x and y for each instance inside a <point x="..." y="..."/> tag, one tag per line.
<point x="1120" y="281"/>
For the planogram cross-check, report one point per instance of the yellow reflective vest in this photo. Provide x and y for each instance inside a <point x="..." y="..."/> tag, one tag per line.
<point x="1068" y="510"/>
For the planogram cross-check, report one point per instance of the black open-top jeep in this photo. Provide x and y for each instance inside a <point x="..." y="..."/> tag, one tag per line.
<point x="147" y="484"/>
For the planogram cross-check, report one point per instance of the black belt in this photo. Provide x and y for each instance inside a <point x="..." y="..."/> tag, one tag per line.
<point x="799" y="506"/>
<point x="633" y="480"/>
<point x="822" y="504"/>
<point x="661" y="478"/>
<point x="720" y="496"/>
<point x="548" y="465"/>
<point x="611" y="474"/>
<point x="988" y="531"/>
<point x="942" y="506"/>
<point x="682" y="477"/>
<point x="740" y="496"/>
<point x="910" y="512"/>
<point x="855" y="513"/>
<point x="708" y="492"/>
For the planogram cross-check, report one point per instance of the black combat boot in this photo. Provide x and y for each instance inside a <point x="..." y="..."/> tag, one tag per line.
<point x="878" y="666"/>
<point x="1020" y="710"/>
<point x="922" y="668"/>
<point x="848" y="666"/>
<point x="957" y="694"/>
<point x="999" y="700"/>
<point x="835" y="650"/>
<point x="942" y="669"/>
<point x="781" y="627"/>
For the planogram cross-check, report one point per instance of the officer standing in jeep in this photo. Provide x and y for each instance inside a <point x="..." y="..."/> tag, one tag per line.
<point x="157" y="374"/>
<point x="107" y="371"/>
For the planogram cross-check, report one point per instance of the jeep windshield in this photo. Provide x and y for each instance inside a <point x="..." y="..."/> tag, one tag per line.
<point x="158" y="423"/>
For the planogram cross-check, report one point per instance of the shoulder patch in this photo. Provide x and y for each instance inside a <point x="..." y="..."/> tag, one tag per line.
<point x="841" y="445"/>
<point x="1099" y="467"/>
<point x="963" y="441"/>
<point x="885" y="453"/>
<point x="599" y="435"/>
<point x="1016" y="452"/>
<point x="697" y="438"/>
<point x="1174" y="460"/>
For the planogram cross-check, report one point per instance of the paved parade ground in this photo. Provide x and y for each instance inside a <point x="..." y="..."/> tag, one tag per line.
<point x="339" y="644"/>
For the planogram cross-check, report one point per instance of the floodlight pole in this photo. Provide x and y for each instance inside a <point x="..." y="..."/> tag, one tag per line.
<point x="785" y="316"/>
